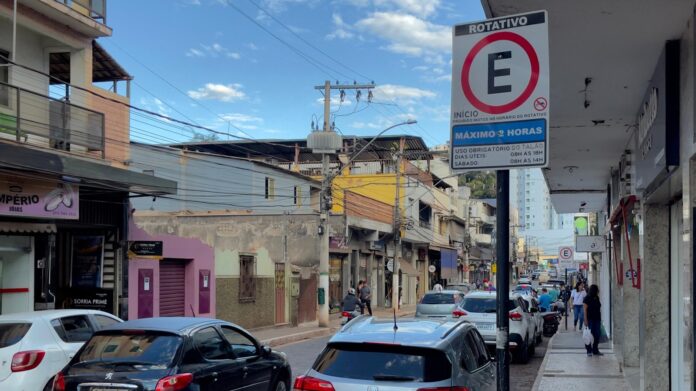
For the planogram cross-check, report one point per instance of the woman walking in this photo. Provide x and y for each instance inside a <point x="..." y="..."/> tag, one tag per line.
<point x="578" y="295"/>
<point x="593" y="316"/>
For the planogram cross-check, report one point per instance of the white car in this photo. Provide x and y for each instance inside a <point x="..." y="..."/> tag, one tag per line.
<point x="34" y="346"/>
<point x="480" y="309"/>
<point x="537" y="317"/>
<point x="524" y="280"/>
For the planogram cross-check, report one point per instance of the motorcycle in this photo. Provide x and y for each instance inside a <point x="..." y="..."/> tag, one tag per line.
<point x="551" y="322"/>
<point x="347" y="316"/>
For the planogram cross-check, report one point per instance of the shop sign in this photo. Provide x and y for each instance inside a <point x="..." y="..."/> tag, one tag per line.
<point x="92" y="299"/>
<point x="31" y="198"/>
<point x="87" y="262"/>
<point x="657" y="136"/>
<point x="338" y="242"/>
<point x="145" y="249"/>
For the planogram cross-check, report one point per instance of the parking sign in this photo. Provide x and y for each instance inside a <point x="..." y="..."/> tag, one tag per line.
<point x="500" y="93"/>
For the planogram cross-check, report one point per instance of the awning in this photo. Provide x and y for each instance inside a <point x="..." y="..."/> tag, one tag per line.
<point x="407" y="268"/>
<point x="97" y="174"/>
<point x="9" y="226"/>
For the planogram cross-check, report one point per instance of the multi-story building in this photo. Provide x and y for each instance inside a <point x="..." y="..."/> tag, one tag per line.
<point x="64" y="146"/>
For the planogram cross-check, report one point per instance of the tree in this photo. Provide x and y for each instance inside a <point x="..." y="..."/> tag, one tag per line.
<point x="205" y="137"/>
<point x="481" y="183"/>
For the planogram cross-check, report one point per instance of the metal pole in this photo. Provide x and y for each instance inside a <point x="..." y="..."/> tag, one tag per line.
<point x="323" y="308"/>
<point x="502" y="278"/>
<point x="397" y="230"/>
<point x="14" y="32"/>
<point x="566" y="302"/>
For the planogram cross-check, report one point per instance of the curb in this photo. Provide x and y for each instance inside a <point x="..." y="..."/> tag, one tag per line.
<point x="291" y="338"/>
<point x="542" y="367"/>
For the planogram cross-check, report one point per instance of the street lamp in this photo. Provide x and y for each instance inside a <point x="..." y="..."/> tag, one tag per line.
<point x="327" y="142"/>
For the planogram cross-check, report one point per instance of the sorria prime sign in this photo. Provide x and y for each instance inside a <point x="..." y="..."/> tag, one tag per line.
<point x="500" y="93"/>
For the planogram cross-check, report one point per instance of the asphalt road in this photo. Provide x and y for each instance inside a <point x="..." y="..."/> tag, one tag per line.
<point x="302" y="356"/>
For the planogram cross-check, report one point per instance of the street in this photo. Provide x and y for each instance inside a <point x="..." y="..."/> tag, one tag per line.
<point x="302" y="356"/>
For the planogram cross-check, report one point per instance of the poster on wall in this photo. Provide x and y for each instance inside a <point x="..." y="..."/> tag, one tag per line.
<point x="87" y="261"/>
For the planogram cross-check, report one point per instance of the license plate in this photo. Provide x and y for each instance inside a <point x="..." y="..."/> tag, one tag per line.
<point x="485" y="326"/>
<point x="108" y="389"/>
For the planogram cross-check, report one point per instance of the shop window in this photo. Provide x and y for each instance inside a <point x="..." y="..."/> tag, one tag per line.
<point x="269" y="192"/>
<point x="247" y="278"/>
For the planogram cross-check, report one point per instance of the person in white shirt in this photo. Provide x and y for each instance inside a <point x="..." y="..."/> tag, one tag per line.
<point x="578" y="296"/>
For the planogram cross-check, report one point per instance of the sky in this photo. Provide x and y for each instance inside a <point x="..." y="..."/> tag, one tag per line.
<point x="221" y="63"/>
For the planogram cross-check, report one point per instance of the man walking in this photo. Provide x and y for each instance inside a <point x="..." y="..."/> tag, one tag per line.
<point x="366" y="297"/>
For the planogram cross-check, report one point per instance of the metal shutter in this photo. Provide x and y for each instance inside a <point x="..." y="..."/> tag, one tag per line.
<point x="172" y="288"/>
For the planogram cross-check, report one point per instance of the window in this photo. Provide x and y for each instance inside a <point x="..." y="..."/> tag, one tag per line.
<point x="210" y="344"/>
<point x="269" y="193"/>
<point x="480" y="352"/>
<point x="425" y="212"/>
<point x="4" y="78"/>
<point x="469" y="359"/>
<point x="73" y="328"/>
<point x="297" y="196"/>
<point x="241" y="345"/>
<point x="152" y="349"/>
<point x="11" y="333"/>
<point x="104" y="321"/>
<point x="247" y="278"/>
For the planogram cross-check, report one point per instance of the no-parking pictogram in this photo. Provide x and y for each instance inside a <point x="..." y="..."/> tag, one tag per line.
<point x="540" y="104"/>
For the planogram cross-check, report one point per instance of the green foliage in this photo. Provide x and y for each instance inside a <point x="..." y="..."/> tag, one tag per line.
<point x="205" y="137"/>
<point x="482" y="183"/>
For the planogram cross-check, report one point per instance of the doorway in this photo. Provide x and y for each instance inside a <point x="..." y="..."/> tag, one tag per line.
<point x="172" y="287"/>
<point x="679" y="299"/>
<point x="16" y="274"/>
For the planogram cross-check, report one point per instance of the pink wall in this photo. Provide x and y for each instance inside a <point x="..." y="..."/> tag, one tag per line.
<point x="201" y="256"/>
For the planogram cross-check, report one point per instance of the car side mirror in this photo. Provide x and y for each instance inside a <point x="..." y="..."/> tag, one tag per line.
<point x="266" y="351"/>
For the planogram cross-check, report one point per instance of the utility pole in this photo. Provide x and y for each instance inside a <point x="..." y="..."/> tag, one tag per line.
<point x="503" y="278"/>
<point x="327" y="142"/>
<point x="397" y="228"/>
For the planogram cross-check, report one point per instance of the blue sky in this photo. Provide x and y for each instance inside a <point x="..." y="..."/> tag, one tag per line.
<point x="210" y="64"/>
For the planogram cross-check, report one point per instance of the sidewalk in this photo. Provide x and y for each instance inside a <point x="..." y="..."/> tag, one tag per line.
<point x="567" y="367"/>
<point x="283" y="335"/>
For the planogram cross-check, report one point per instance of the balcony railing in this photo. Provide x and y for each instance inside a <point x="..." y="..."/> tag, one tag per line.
<point x="95" y="9"/>
<point x="32" y="118"/>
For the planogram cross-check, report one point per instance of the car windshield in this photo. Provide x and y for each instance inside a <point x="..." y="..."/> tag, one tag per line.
<point x="485" y="305"/>
<point x="438" y="298"/>
<point x="146" y="349"/>
<point x="11" y="333"/>
<point x="383" y="362"/>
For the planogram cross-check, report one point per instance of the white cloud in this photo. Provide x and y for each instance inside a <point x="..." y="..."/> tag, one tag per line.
<point x="252" y="46"/>
<point x="157" y="106"/>
<point x="221" y="92"/>
<point x="408" y="34"/>
<point x="278" y="6"/>
<point x="191" y="2"/>
<point x="417" y="7"/>
<point x="215" y="51"/>
<point x="401" y="94"/>
<point x="341" y="28"/>
<point x="336" y="101"/>
<point x="382" y="122"/>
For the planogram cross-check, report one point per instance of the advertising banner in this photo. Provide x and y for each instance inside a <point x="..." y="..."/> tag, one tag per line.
<point x="87" y="261"/>
<point x="24" y="197"/>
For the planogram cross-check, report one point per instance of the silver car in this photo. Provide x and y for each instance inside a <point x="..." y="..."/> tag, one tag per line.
<point x="372" y="354"/>
<point x="439" y="304"/>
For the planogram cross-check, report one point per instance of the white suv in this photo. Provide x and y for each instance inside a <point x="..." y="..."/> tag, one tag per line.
<point x="480" y="309"/>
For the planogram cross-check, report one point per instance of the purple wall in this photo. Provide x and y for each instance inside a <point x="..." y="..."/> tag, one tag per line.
<point x="201" y="258"/>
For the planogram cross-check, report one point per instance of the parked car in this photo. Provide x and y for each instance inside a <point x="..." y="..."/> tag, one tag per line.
<point x="523" y="289"/>
<point x="417" y="354"/>
<point x="535" y="274"/>
<point x="537" y="317"/>
<point x="543" y="277"/>
<point x="36" y="345"/>
<point x="556" y="281"/>
<point x="524" y="280"/>
<point x="461" y="287"/>
<point x="438" y="304"/>
<point x="480" y="309"/>
<point x="174" y="354"/>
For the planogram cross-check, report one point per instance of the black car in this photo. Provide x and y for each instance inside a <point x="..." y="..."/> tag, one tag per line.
<point x="173" y="354"/>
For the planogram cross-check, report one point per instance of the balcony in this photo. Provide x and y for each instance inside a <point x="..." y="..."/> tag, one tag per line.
<point x="34" y="119"/>
<point x="85" y="16"/>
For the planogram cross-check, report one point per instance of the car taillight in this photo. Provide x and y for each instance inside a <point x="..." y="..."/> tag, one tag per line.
<point x="308" y="383"/>
<point x="515" y="316"/>
<point x="455" y="388"/>
<point x="345" y="314"/>
<point x="24" y="361"/>
<point x="174" y="382"/>
<point x="59" y="382"/>
<point x="459" y="312"/>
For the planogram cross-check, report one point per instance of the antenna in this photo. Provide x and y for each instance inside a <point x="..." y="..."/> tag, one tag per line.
<point x="395" y="326"/>
<point x="192" y="311"/>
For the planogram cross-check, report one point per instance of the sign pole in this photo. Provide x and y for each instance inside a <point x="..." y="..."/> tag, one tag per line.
<point x="566" y="302"/>
<point x="503" y="278"/>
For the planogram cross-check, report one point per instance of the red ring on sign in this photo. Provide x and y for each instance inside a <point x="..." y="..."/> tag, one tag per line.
<point x="533" y="78"/>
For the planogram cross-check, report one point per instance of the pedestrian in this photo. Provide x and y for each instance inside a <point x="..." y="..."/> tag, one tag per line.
<point x="366" y="297"/>
<point x="437" y="288"/>
<point x="578" y="295"/>
<point x="593" y="315"/>
<point x="545" y="300"/>
<point x="358" y="289"/>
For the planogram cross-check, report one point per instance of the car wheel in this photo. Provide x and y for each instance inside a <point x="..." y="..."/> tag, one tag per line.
<point x="523" y="353"/>
<point x="280" y="385"/>
<point x="532" y="349"/>
<point x="49" y="385"/>
<point x="539" y="339"/>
